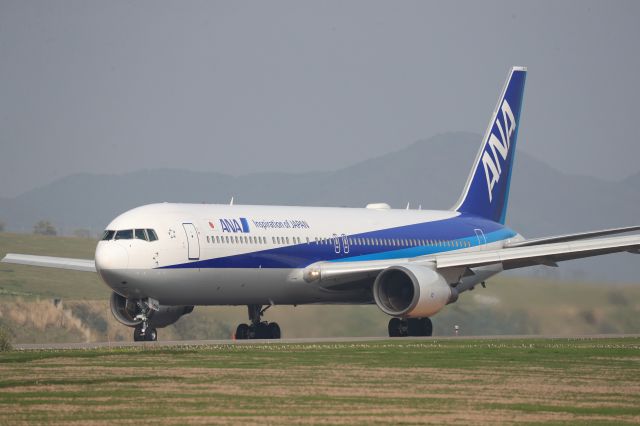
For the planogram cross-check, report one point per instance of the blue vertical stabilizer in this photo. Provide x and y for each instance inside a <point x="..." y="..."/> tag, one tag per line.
<point x="486" y="192"/>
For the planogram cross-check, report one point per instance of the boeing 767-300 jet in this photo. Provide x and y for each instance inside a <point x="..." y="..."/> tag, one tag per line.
<point x="161" y="260"/>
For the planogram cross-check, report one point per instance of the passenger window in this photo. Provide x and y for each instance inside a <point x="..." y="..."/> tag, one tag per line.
<point x="208" y="239"/>
<point x="108" y="235"/>
<point x="152" y="235"/>
<point x="126" y="234"/>
<point x="287" y="239"/>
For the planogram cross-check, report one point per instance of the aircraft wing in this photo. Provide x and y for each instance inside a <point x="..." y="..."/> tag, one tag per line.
<point x="340" y="273"/>
<point x="542" y="254"/>
<point x="571" y="237"/>
<point x="84" y="265"/>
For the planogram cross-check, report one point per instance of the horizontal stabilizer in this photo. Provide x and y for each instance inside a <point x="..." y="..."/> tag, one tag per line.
<point x="84" y="265"/>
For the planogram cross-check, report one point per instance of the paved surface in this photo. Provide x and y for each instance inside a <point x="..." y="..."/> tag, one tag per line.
<point x="178" y="343"/>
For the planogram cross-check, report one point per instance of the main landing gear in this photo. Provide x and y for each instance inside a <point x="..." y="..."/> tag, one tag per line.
<point x="401" y="327"/>
<point x="258" y="329"/>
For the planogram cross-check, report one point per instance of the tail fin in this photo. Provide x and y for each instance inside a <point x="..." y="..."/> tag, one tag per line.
<point x="487" y="189"/>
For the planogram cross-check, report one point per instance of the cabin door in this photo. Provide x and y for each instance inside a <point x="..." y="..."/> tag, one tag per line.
<point x="192" y="241"/>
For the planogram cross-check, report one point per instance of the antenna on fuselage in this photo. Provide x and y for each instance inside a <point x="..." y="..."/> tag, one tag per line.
<point x="408" y="205"/>
<point x="231" y="202"/>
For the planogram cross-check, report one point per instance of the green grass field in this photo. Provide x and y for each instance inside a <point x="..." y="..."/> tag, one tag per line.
<point x="594" y="381"/>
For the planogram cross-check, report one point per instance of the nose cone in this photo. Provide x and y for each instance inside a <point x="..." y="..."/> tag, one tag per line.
<point x="111" y="256"/>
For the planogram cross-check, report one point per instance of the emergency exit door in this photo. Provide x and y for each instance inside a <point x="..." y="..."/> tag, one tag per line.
<point x="193" y="245"/>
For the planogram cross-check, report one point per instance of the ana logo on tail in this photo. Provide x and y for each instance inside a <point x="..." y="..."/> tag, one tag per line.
<point x="490" y="160"/>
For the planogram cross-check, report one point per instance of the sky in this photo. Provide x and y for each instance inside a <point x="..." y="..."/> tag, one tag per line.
<point x="240" y="87"/>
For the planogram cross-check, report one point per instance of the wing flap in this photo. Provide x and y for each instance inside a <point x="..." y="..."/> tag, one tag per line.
<point x="84" y="265"/>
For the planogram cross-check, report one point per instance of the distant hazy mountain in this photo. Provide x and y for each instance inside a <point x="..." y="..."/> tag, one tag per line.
<point x="431" y="173"/>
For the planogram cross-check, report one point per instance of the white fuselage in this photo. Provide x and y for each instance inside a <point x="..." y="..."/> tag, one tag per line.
<point x="231" y="255"/>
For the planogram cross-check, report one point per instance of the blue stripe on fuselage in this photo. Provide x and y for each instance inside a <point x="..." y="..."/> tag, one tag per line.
<point x="460" y="228"/>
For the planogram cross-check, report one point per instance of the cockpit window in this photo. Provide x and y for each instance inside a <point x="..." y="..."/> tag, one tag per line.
<point x="141" y="234"/>
<point x="126" y="234"/>
<point x="108" y="235"/>
<point x="152" y="235"/>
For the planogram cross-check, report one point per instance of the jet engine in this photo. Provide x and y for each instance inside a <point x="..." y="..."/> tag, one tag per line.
<point x="126" y="311"/>
<point x="411" y="291"/>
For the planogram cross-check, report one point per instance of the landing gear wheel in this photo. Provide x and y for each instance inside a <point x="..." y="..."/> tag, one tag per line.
<point x="137" y="334"/>
<point x="274" y="330"/>
<point x="395" y="327"/>
<point x="151" y="335"/>
<point x="419" y="327"/>
<point x="261" y="331"/>
<point x="426" y="326"/>
<point x="242" y="332"/>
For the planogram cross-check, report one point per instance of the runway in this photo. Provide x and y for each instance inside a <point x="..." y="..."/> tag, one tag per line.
<point x="307" y="340"/>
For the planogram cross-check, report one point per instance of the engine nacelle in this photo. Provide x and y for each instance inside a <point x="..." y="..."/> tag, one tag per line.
<point x="125" y="311"/>
<point x="411" y="291"/>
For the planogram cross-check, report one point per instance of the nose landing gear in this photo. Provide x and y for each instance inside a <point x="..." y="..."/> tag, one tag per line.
<point x="258" y="329"/>
<point x="143" y="332"/>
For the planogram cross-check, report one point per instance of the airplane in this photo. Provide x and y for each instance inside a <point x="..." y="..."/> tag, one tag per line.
<point x="162" y="260"/>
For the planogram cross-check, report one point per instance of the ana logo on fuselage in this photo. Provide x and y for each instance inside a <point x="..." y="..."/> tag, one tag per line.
<point x="490" y="159"/>
<point x="234" y="225"/>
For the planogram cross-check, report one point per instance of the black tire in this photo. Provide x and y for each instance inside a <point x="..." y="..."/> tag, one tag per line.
<point x="262" y="331"/>
<point x="274" y="330"/>
<point x="151" y="335"/>
<point x="419" y="327"/>
<point x="414" y="327"/>
<point x="242" y="332"/>
<point x="427" y="327"/>
<point x="137" y="334"/>
<point x="395" y="327"/>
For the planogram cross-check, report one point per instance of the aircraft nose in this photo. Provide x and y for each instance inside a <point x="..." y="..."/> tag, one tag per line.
<point x="110" y="256"/>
